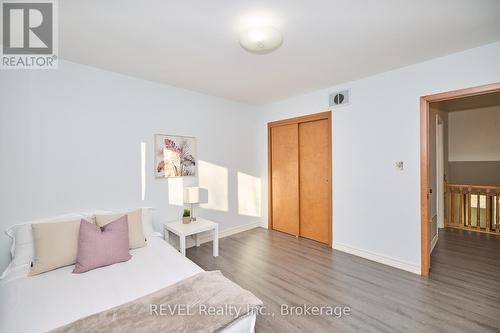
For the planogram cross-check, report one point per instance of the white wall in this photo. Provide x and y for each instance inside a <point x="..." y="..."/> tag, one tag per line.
<point x="474" y="135"/>
<point x="376" y="207"/>
<point x="70" y="141"/>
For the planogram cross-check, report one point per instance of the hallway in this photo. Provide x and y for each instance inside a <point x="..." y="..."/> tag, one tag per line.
<point x="467" y="257"/>
<point x="468" y="264"/>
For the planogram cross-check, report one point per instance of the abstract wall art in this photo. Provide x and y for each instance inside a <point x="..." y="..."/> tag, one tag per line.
<point x="175" y="156"/>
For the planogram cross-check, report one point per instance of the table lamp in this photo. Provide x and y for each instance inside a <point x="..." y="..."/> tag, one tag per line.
<point x="195" y="195"/>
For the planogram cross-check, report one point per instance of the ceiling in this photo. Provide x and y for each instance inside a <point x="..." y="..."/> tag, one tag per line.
<point x="194" y="44"/>
<point x="469" y="103"/>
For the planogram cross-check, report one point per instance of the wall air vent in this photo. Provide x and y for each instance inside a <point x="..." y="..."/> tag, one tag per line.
<point x="339" y="98"/>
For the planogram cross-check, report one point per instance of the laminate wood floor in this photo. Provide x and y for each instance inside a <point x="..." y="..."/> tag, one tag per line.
<point x="461" y="295"/>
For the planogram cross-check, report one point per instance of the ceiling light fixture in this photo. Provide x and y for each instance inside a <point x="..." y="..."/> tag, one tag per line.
<point x="261" y="40"/>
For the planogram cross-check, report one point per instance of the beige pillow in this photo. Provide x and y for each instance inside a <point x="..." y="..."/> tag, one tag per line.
<point x="135" y="234"/>
<point x="55" y="245"/>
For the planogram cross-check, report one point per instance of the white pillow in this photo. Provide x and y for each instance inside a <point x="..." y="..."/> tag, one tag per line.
<point x="22" y="248"/>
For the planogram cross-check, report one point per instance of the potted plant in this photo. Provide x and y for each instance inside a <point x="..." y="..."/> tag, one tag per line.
<point x="186" y="216"/>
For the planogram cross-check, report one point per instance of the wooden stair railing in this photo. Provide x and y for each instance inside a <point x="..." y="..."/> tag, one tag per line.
<point x="461" y="200"/>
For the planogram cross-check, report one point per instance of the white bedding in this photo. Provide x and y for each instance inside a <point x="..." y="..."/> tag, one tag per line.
<point x="47" y="301"/>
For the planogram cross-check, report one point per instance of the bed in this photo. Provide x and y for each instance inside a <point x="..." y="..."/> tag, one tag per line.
<point x="47" y="301"/>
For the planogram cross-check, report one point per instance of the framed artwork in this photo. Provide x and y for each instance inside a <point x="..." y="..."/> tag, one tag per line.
<point x="175" y="156"/>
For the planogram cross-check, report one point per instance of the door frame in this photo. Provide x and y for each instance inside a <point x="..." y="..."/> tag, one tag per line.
<point x="425" y="232"/>
<point x="439" y="172"/>
<point x="297" y="120"/>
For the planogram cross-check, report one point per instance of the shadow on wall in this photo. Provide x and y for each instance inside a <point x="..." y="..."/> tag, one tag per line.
<point x="176" y="191"/>
<point x="249" y="195"/>
<point x="215" y="179"/>
<point x="143" y="171"/>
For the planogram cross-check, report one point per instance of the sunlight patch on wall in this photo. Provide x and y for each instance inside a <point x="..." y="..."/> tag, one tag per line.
<point x="143" y="171"/>
<point x="215" y="179"/>
<point x="249" y="198"/>
<point x="176" y="191"/>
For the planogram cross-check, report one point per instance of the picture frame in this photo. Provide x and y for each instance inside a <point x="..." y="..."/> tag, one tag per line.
<point x="175" y="156"/>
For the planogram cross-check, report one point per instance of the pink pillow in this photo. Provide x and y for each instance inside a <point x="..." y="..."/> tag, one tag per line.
<point x="98" y="247"/>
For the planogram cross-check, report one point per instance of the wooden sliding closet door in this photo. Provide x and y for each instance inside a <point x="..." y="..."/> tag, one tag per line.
<point x="300" y="171"/>
<point x="314" y="180"/>
<point x="284" y="178"/>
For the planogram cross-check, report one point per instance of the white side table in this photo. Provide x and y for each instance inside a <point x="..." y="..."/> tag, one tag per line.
<point x="193" y="228"/>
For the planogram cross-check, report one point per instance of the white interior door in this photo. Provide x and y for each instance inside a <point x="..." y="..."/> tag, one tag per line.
<point x="440" y="173"/>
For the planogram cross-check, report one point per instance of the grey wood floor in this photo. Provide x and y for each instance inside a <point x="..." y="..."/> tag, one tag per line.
<point x="461" y="295"/>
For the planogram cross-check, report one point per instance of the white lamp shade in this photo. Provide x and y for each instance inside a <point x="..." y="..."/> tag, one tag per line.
<point x="194" y="195"/>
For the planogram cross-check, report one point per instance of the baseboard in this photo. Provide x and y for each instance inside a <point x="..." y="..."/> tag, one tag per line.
<point x="207" y="237"/>
<point x="406" y="266"/>
<point x="238" y="229"/>
<point x="434" y="241"/>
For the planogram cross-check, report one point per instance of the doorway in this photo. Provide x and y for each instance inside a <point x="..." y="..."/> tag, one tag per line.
<point x="440" y="171"/>
<point x="425" y="187"/>
<point x="300" y="171"/>
<point x="437" y="179"/>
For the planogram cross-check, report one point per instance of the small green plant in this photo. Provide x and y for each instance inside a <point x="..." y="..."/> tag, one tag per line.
<point x="187" y="213"/>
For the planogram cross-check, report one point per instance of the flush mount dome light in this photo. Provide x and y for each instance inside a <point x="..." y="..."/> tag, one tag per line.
<point x="261" y="40"/>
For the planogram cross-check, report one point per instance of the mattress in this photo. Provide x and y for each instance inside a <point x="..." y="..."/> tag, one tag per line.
<point x="50" y="300"/>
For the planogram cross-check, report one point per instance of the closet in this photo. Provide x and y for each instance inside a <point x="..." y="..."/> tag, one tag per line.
<point x="300" y="170"/>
